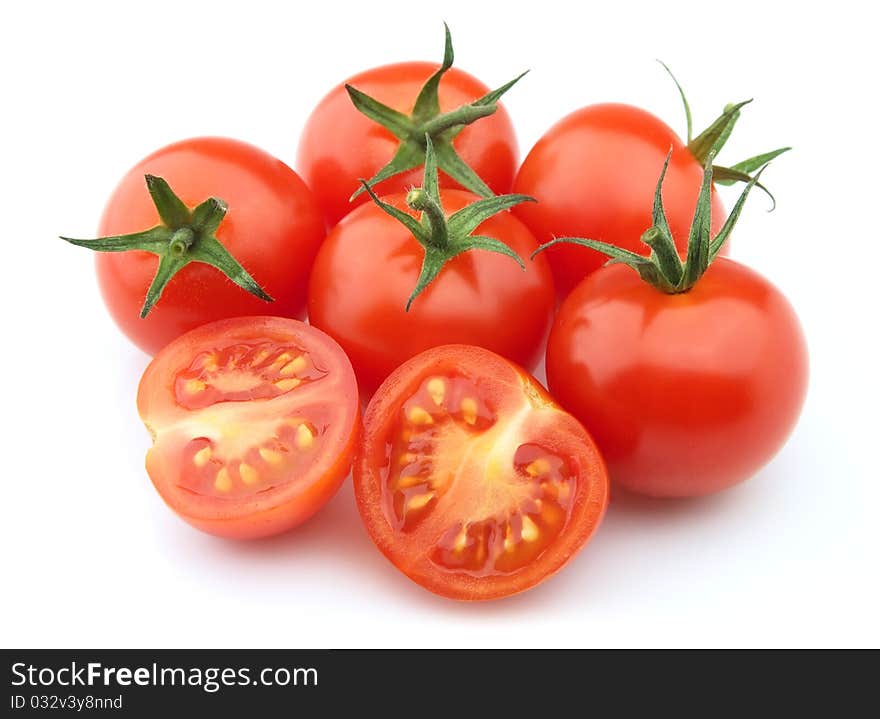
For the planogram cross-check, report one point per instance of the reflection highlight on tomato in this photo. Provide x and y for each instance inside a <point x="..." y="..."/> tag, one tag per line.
<point x="470" y="477"/>
<point x="254" y="422"/>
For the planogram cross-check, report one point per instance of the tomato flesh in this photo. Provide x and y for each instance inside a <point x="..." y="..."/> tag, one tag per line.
<point x="254" y="422"/>
<point x="471" y="480"/>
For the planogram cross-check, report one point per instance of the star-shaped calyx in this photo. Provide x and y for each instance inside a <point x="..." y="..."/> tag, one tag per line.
<point x="184" y="236"/>
<point x="663" y="268"/>
<point x="426" y="120"/>
<point x="442" y="237"/>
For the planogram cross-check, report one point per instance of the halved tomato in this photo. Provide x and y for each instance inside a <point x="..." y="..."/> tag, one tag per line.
<point x="254" y="422"/>
<point x="471" y="479"/>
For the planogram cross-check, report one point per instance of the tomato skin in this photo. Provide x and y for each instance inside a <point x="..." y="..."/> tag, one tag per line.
<point x="594" y="174"/>
<point x="508" y="388"/>
<point x="369" y="265"/>
<point x="267" y="522"/>
<point x="273" y="509"/>
<point x="273" y="228"/>
<point x="339" y="145"/>
<point x="685" y="394"/>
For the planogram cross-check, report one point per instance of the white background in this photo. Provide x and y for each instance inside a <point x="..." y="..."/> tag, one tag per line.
<point x="90" y="556"/>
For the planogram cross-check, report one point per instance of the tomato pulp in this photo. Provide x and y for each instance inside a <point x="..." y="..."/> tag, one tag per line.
<point x="471" y="479"/>
<point x="594" y="175"/>
<point x="685" y="394"/>
<point x="254" y="422"/>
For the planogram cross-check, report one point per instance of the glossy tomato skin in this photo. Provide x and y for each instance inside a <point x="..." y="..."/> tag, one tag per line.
<point x="523" y="414"/>
<point x="685" y="394"/>
<point x="273" y="228"/>
<point x="288" y="477"/>
<point x="594" y="174"/>
<point x="369" y="265"/>
<point x="339" y="145"/>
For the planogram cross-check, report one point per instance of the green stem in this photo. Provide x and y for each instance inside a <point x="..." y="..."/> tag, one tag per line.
<point x="419" y="200"/>
<point x="461" y="116"/>
<point x="663" y="268"/>
<point x="668" y="260"/>
<point x="441" y="237"/>
<point x="181" y="241"/>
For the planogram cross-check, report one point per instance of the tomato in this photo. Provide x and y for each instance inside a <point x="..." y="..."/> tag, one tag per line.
<point x="471" y="479"/>
<point x="339" y="145"/>
<point x="273" y="228"/>
<point x="369" y="264"/>
<point x="254" y="422"/>
<point x="685" y="394"/>
<point x="593" y="174"/>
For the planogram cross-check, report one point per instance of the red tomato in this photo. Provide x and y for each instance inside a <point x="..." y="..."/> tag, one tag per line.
<point x="369" y="265"/>
<point x="687" y="393"/>
<point x="339" y="145"/>
<point x="254" y="422"/>
<point x="594" y="175"/>
<point x="273" y="228"/>
<point x="471" y="479"/>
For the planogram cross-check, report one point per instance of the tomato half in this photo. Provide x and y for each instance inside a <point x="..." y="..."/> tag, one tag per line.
<point x="471" y="479"/>
<point x="254" y="422"/>
<point x="685" y="394"/>
<point x="594" y="175"/>
<point x="273" y="228"/>
<point x="339" y="145"/>
<point x="370" y="263"/>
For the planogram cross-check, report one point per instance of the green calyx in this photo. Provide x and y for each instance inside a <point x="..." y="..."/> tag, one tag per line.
<point x="663" y="268"/>
<point x="714" y="137"/>
<point x="426" y="120"/>
<point x="443" y="237"/>
<point x="184" y="236"/>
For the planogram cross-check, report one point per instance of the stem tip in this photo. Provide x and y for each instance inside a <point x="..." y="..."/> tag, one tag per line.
<point x="417" y="198"/>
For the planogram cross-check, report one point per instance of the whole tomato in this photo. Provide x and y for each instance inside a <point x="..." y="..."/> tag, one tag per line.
<point x="690" y="374"/>
<point x="373" y="126"/>
<point x="593" y="174"/>
<point x="261" y="229"/>
<point x="369" y="264"/>
<point x="685" y="394"/>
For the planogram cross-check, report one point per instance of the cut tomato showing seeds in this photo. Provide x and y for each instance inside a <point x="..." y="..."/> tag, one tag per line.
<point x="471" y="479"/>
<point x="254" y="422"/>
<point x="243" y="372"/>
